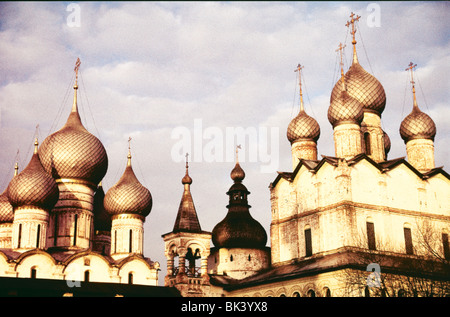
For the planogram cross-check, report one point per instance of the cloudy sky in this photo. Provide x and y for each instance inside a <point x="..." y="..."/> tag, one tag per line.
<point x="173" y="75"/>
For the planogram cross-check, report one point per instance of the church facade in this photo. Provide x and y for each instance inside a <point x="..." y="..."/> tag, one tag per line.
<point x="350" y="224"/>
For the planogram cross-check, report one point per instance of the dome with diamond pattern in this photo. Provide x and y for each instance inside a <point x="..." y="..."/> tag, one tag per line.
<point x="128" y="195"/>
<point x="33" y="186"/>
<point x="303" y="127"/>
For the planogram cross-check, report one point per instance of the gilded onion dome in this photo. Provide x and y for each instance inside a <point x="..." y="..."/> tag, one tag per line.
<point x="387" y="143"/>
<point x="345" y="109"/>
<point x="361" y="85"/>
<point x="6" y="209"/>
<point x="417" y="125"/>
<point x="33" y="186"/>
<point x="73" y="152"/>
<point x="302" y="126"/>
<point x="238" y="229"/>
<point x="128" y="195"/>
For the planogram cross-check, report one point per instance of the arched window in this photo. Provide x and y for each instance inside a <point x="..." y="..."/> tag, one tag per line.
<point x="249" y="257"/>
<point x="366" y="292"/>
<point x="75" y="229"/>
<point x="311" y="293"/>
<point x="367" y="143"/>
<point x="86" y="275"/>
<point x="33" y="272"/>
<point x="296" y="294"/>
<point x="38" y="236"/>
<point x="308" y="241"/>
<point x="131" y="241"/>
<point x="231" y="258"/>
<point x="130" y="278"/>
<point x="19" y="238"/>
<point x="326" y="292"/>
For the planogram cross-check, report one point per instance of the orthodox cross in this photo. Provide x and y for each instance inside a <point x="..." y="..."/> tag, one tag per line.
<point x="411" y="68"/>
<point x="237" y="148"/>
<point x="352" y="23"/>
<point x="77" y="67"/>
<point x="299" y="69"/>
<point x="187" y="155"/>
<point x="340" y="49"/>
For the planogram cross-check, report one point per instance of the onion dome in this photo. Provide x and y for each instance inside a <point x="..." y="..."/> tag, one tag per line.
<point x="33" y="186"/>
<point x="361" y="85"/>
<point x="302" y="126"/>
<point x="6" y="209"/>
<point x="417" y="125"/>
<point x="187" y="220"/>
<point x="345" y="109"/>
<point x="387" y="143"/>
<point x="128" y="195"/>
<point x="73" y="152"/>
<point x="102" y="219"/>
<point x="238" y="229"/>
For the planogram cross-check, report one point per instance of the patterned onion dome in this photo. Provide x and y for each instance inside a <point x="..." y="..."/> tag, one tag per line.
<point x="6" y="209"/>
<point x="73" y="152"/>
<point x="33" y="186"/>
<point x="387" y="142"/>
<point x="417" y="125"/>
<point x="238" y="229"/>
<point x="345" y="109"/>
<point x="363" y="87"/>
<point x="128" y="195"/>
<point x="303" y="127"/>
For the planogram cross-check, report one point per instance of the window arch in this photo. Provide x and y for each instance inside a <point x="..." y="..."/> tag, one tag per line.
<point x="86" y="276"/>
<point x="367" y="143"/>
<point x="33" y="272"/>
<point x="311" y="293"/>
<point x="370" y="234"/>
<point x="130" y="278"/>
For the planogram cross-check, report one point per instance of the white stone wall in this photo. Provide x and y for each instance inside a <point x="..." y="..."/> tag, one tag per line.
<point x="336" y="202"/>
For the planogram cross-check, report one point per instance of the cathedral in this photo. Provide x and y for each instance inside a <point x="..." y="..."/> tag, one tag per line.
<point x="345" y="225"/>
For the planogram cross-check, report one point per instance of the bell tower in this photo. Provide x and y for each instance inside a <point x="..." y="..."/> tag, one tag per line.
<point x="187" y="243"/>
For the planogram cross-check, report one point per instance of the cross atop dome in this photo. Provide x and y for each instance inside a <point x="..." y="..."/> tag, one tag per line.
<point x="299" y="69"/>
<point x="411" y="67"/>
<point x="353" y="32"/>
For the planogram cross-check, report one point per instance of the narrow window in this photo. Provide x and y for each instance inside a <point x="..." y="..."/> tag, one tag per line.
<point x="249" y="257"/>
<point x="86" y="276"/>
<point x="20" y="236"/>
<point x="115" y="241"/>
<point x="33" y="272"/>
<point x="131" y="240"/>
<point x="231" y="258"/>
<point x="371" y="235"/>
<point x="75" y="229"/>
<point x="38" y="234"/>
<point x="367" y="143"/>
<point x="55" y="234"/>
<point x="408" y="241"/>
<point x="446" y="246"/>
<point x="308" y="242"/>
<point x="130" y="278"/>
